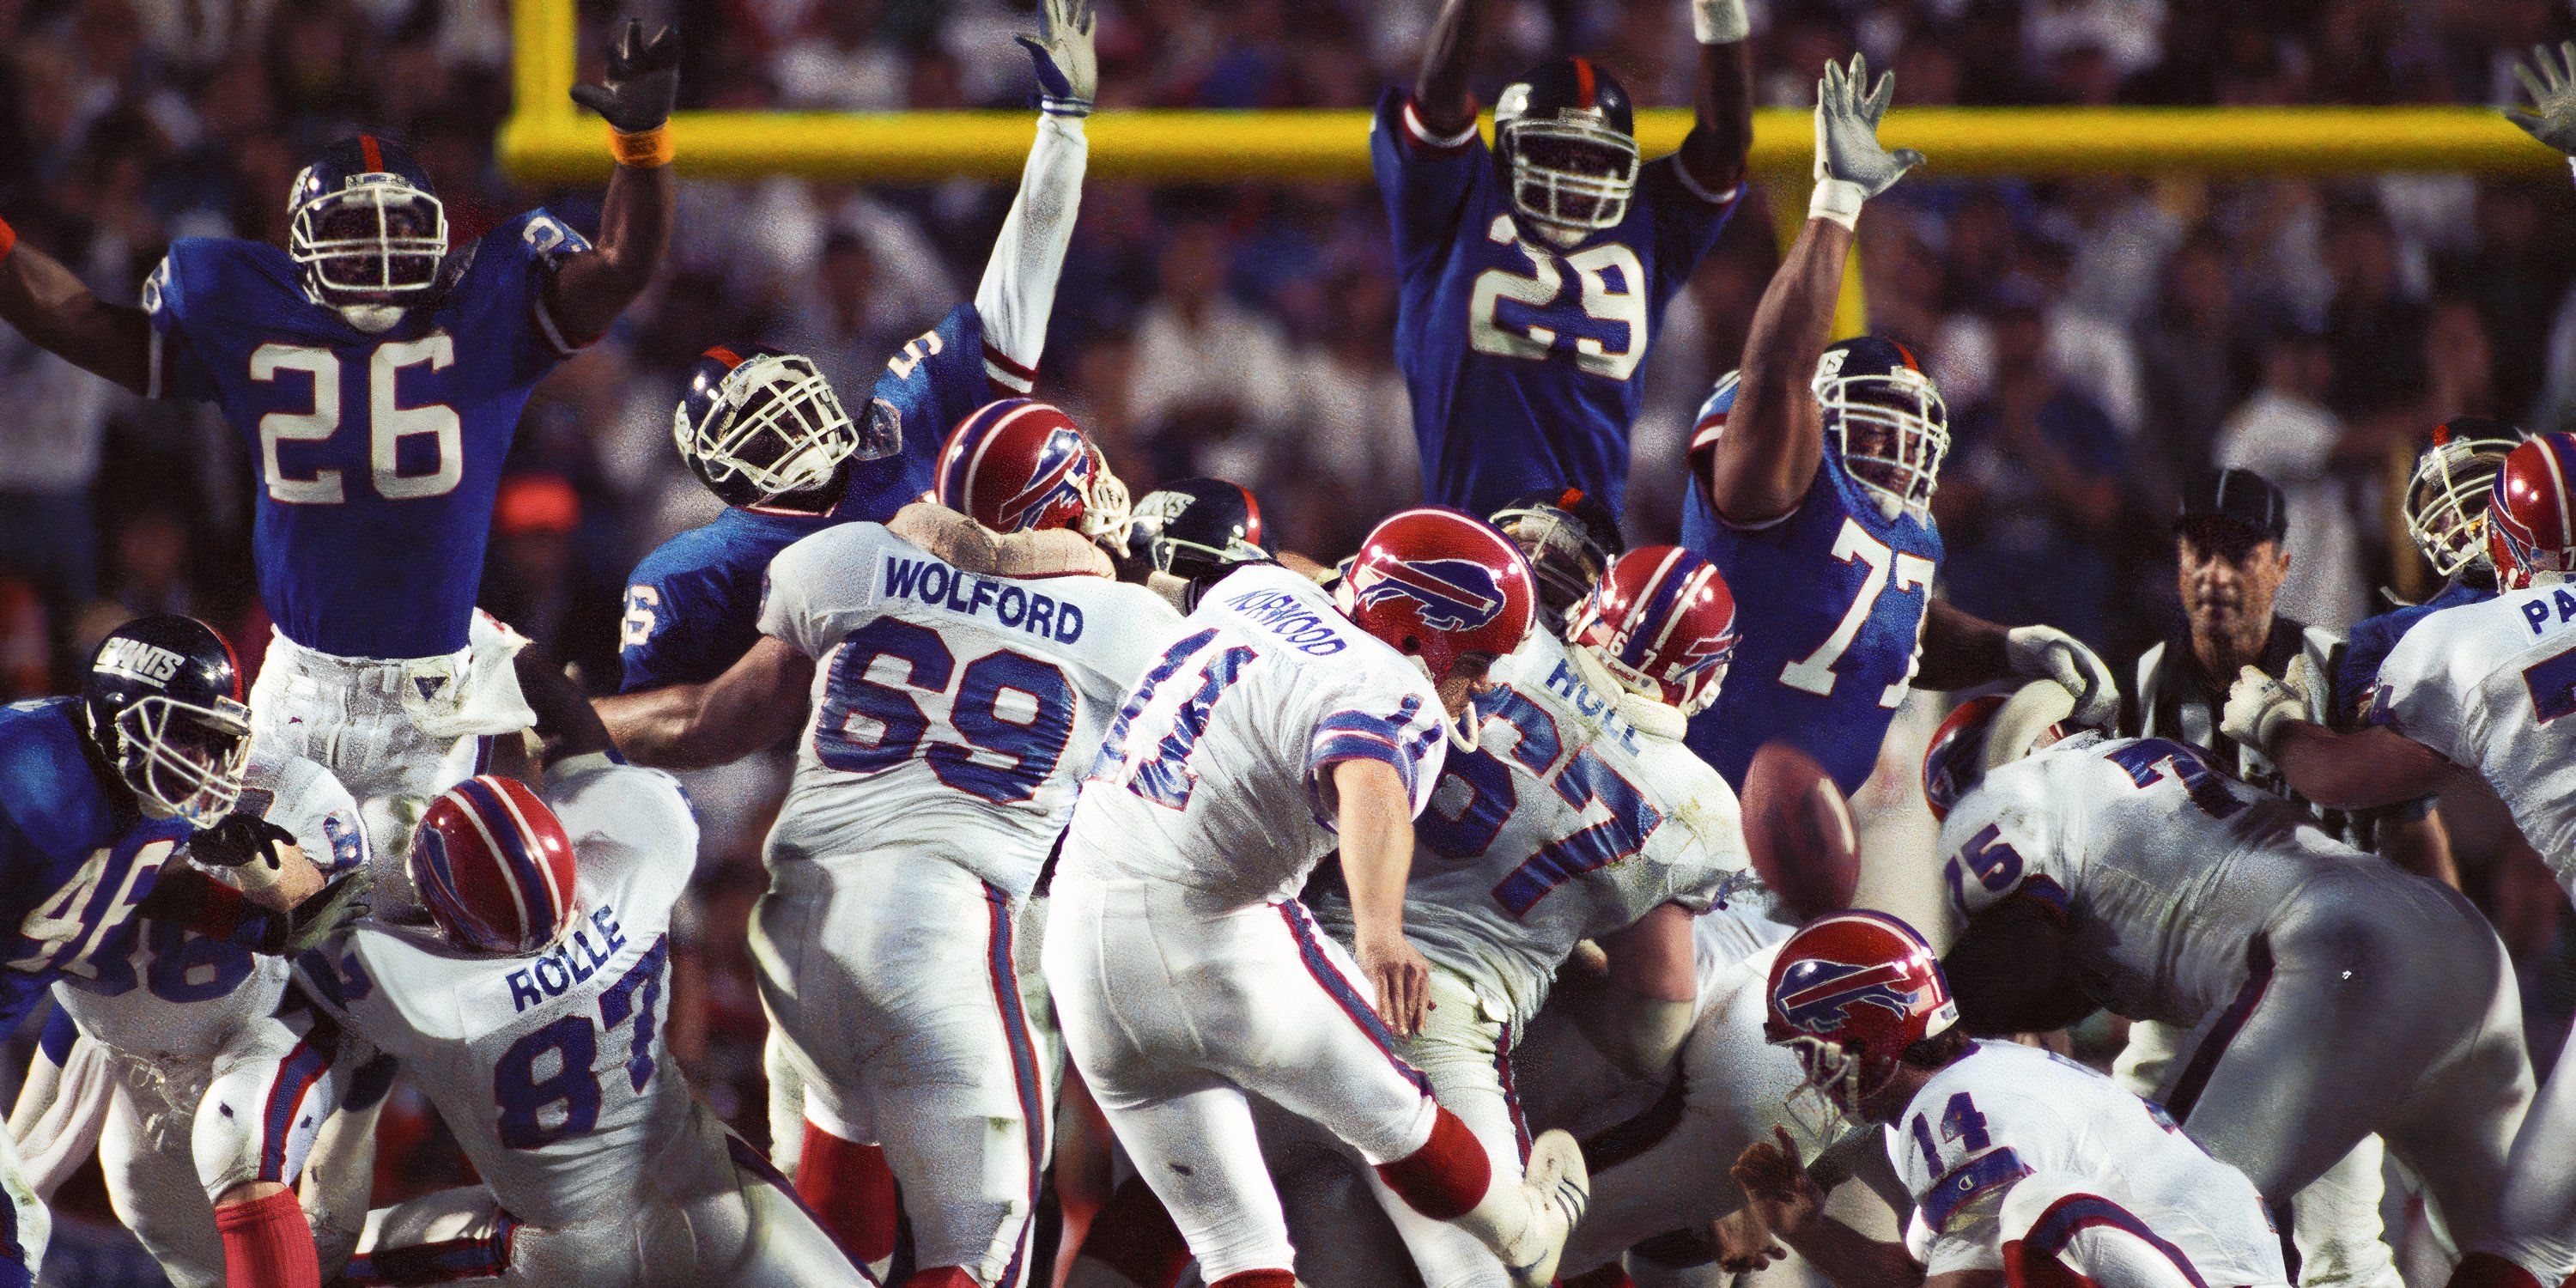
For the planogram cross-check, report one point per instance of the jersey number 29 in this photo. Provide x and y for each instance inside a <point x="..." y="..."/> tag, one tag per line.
<point x="1517" y="315"/>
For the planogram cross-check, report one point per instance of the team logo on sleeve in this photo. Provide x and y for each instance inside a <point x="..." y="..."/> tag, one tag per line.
<point x="1815" y="994"/>
<point x="1454" y="594"/>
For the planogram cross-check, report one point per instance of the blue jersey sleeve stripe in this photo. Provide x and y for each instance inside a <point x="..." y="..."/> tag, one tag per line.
<point x="1964" y="1183"/>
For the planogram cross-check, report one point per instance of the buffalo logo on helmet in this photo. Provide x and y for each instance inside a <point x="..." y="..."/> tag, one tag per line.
<point x="1816" y="994"/>
<point x="1062" y="463"/>
<point x="1015" y="465"/>
<point x="1453" y="594"/>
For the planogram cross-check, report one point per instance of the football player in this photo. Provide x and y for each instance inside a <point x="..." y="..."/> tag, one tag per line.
<point x="952" y="712"/>
<point x="191" y="1044"/>
<point x="2026" y="1168"/>
<point x="2480" y="686"/>
<point x="1522" y="871"/>
<point x="771" y="438"/>
<point x="2266" y="941"/>
<point x="531" y="1009"/>
<point x="1189" y="534"/>
<point x="1570" y="538"/>
<point x="1533" y="273"/>
<point x="1812" y="473"/>
<point x="1185" y="972"/>
<point x="98" y="795"/>
<point x="376" y="374"/>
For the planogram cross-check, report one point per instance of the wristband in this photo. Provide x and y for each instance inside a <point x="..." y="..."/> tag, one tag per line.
<point x="1719" y="22"/>
<point x="8" y="239"/>
<point x="4" y="228"/>
<point x="645" y="151"/>
<point x="1838" y="200"/>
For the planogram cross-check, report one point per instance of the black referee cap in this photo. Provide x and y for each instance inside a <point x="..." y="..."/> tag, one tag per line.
<point x="2241" y="497"/>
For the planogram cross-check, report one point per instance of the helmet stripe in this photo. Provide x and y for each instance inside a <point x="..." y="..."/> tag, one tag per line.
<point x="986" y="434"/>
<point x="1658" y="608"/>
<point x="506" y="845"/>
<point x="374" y="154"/>
<point x="2554" y="448"/>
<point x="556" y="900"/>
<point x="726" y="356"/>
<point x="1586" y="88"/>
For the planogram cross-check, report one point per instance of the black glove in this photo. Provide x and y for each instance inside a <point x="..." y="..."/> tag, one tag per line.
<point x="236" y="839"/>
<point x="643" y="81"/>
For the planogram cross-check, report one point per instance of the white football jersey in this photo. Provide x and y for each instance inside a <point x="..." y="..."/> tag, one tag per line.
<point x="2487" y="685"/>
<point x="1565" y="824"/>
<point x="1214" y="773"/>
<point x="178" y="994"/>
<point x="550" y="1068"/>
<point x="2168" y="867"/>
<point x="953" y="712"/>
<point x="2004" y="1111"/>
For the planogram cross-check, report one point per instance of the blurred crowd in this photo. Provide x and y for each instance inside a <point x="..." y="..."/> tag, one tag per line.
<point x="2099" y="342"/>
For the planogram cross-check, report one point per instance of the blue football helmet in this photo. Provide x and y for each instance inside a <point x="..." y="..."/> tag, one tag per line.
<point x="1883" y="415"/>
<point x="1570" y="138"/>
<point x="164" y="708"/>
<point x="367" y="235"/>
<point x="761" y="426"/>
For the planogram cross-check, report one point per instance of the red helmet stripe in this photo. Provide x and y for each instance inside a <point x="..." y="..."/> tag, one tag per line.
<point x="374" y="154"/>
<point x="2551" y="447"/>
<point x="1251" y="515"/>
<point x="726" y="356"/>
<point x="1585" y="86"/>
<point x="523" y="842"/>
<point x="992" y="433"/>
<point x="508" y="851"/>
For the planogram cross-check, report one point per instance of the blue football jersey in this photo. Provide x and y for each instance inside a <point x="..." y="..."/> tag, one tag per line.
<point x="693" y="605"/>
<point x="1832" y="601"/>
<point x="378" y="455"/>
<point x="74" y="860"/>
<point x="2368" y="643"/>
<point x="1523" y="358"/>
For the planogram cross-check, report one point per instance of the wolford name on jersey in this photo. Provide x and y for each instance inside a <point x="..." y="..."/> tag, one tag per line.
<point x="932" y="582"/>
<point x="1288" y="617"/>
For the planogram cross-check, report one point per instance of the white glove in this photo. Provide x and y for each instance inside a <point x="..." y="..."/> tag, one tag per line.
<point x="1068" y="70"/>
<point x="2258" y="704"/>
<point x="1719" y="22"/>
<point x="2047" y="653"/>
<point x="2551" y="82"/>
<point x="1851" y="167"/>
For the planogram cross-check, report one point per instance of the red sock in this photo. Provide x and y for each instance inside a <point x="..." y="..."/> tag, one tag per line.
<point x="1134" y="1236"/>
<point x="268" y="1244"/>
<point x="1447" y="1177"/>
<point x="1258" y="1279"/>
<point x="941" y="1277"/>
<point x="850" y="1187"/>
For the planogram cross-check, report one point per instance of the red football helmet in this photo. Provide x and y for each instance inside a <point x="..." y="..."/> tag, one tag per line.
<point x="494" y="866"/>
<point x="1848" y="994"/>
<point x="1662" y="621"/>
<point x="1956" y="758"/>
<point x="1020" y="465"/>
<point x="2531" y="520"/>
<point x="1436" y="584"/>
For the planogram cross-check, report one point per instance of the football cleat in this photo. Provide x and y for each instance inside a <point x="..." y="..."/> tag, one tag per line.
<point x="1020" y="465"/>
<point x="1569" y="538"/>
<point x="759" y="426"/>
<point x="367" y="235"/>
<point x="2531" y="517"/>
<point x="1883" y="415"/>
<point x="1569" y="137"/>
<point x="2446" y="502"/>
<point x="494" y="866"/>
<point x="164" y="706"/>
<point x="1662" y="622"/>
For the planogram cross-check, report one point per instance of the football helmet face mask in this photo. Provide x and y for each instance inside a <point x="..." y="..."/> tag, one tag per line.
<point x="1662" y="622"/>
<point x="1885" y="418"/>
<point x="1020" y="465"/>
<point x="1198" y="530"/>
<point x="494" y="866"/>
<point x="1848" y="994"/>
<point x="2446" y="502"/>
<point x="2531" y="518"/>
<point x="164" y="706"/>
<point x="1438" y="586"/>
<point x="1569" y="137"/>
<point x="367" y="235"/>
<point x="758" y="425"/>
<point x="1569" y="537"/>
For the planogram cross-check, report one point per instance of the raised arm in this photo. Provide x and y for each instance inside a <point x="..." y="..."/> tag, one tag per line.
<point x="1759" y="468"/>
<point x="593" y="287"/>
<point x="1722" y="98"/>
<point x="54" y="309"/>
<point x="759" y="701"/>
<point x="1962" y="650"/>
<point x="1441" y="95"/>
<point x="1018" y="291"/>
<point x="1376" y="825"/>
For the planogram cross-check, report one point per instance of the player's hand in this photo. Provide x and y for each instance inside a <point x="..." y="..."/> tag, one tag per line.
<point x="1743" y="1245"/>
<point x="1848" y="110"/>
<point x="2551" y="82"/>
<point x="643" y="81"/>
<point x="1776" y="1188"/>
<point x="1068" y="71"/>
<point x="2047" y="653"/>
<point x="1403" y="982"/>
<point x="264" y="859"/>
<point x="342" y="900"/>
<point x="2258" y="704"/>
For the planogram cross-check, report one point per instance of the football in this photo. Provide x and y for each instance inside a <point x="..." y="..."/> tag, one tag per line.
<point x="1800" y="832"/>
